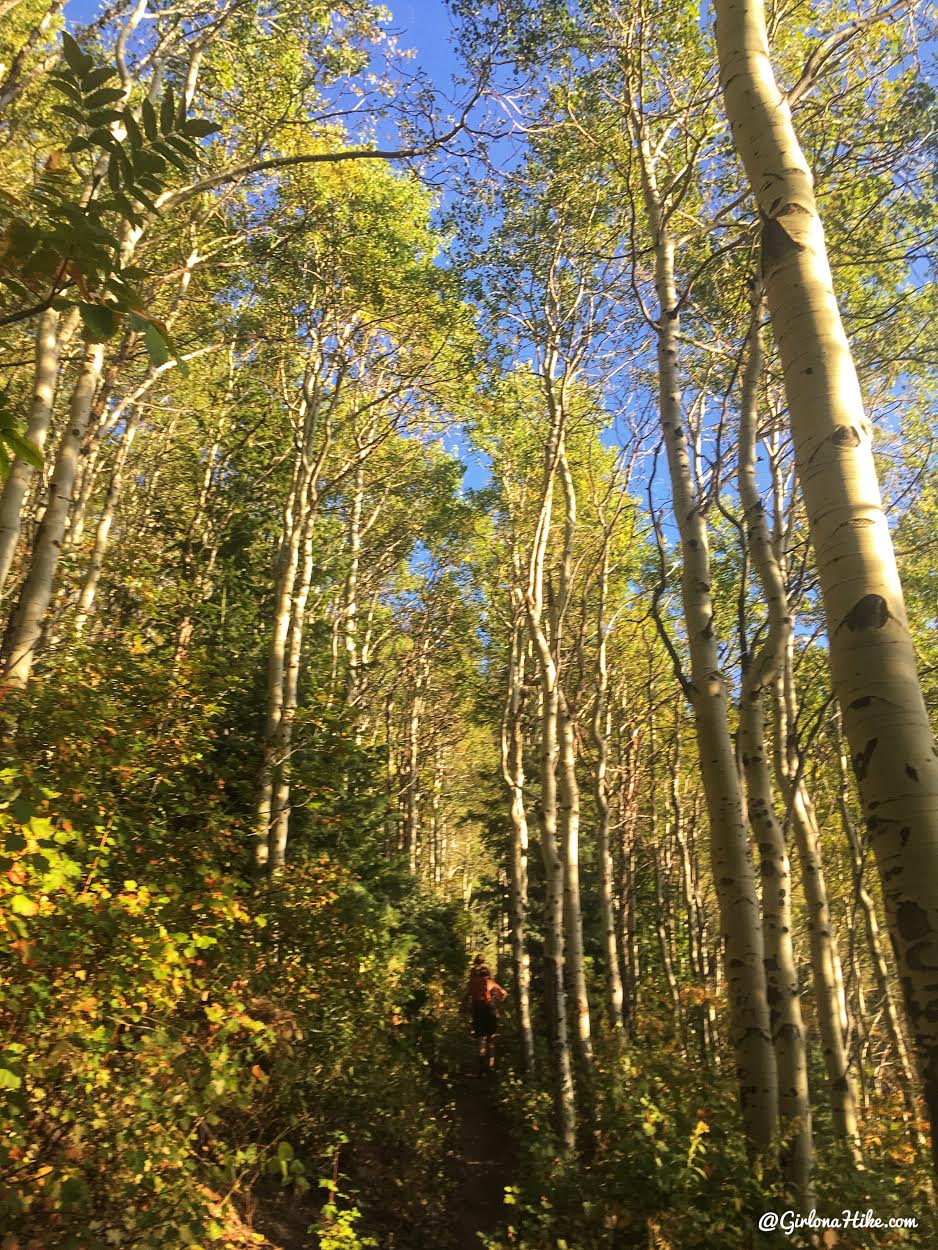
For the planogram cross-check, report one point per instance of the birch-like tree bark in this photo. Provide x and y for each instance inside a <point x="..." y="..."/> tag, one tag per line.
<point x="730" y="853"/>
<point x="105" y="521"/>
<point x="26" y="623"/>
<point x="871" y="651"/>
<point x="881" y="972"/>
<point x="513" y="774"/>
<point x="412" y="764"/>
<point x="629" y="740"/>
<point x="759" y="674"/>
<point x="37" y="427"/>
<point x="569" y="789"/>
<point x="551" y="850"/>
<point x="601" y="731"/>
<point x="351" y="587"/>
<point x="826" y="970"/>
<point x="280" y="804"/>
<point x="285" y="572"/>
<point x="569" y="796"/>
<point x="16" y="81"/>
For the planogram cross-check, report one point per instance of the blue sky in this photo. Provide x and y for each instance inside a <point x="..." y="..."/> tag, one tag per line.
<point x="427" y="27"/>
<point x="423" y="24"/>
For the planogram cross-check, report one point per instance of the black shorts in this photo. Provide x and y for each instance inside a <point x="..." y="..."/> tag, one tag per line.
<point x="484" y="1020"/>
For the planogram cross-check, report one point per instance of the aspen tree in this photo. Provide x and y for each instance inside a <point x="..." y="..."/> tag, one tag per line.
<point x="759" y="674"/>
<point x="551" y="848"/>
<point x="569" y="793"/>
<point x="730" y="853"/>
<point x="280" y="802"/>
<point x="67" y="515"/>
<point x="26" y="623"/>
<point x="89" y="465"/>
<point x="411" y="796"/>
<point x="351" y="587"/>
<point x="40" y="414"/>
<point x="683" y="830"/>
<point x="629" y="744"/>
<point x="286" y="565"/>
<point x="16" y="79"/>
<point x="569" y="789"/>
<point x="512" y="739"/>
<point x="877" y="951"/>
<point x="662" y="933"/>
<point x="105" y="521"/>
<point x="825" y="957"/>
<point x="826" y="971"/>
<point x="871" y="653"/>
<point x="601" y="729"/>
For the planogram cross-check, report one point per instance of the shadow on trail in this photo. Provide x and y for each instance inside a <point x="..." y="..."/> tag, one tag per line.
<point x="481" y="1160"/>
<point x="481" y="1164"/>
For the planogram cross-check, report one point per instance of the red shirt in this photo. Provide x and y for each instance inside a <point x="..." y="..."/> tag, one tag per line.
<point x="483" y="990"/>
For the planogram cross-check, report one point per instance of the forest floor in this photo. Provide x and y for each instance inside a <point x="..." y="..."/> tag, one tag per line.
<point x="482" y="1164"/>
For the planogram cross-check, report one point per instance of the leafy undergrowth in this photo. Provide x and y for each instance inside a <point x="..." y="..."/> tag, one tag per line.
<point x="191" y="1060"/>
<point x="663" y="1167"/>
<point x="184" y="1055"/>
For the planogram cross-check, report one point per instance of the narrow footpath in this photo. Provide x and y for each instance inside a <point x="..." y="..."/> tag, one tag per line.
<point x="482" y="1163"/>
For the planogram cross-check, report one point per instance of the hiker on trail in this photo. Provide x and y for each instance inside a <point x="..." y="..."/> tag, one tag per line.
<point x="483" y="994"/>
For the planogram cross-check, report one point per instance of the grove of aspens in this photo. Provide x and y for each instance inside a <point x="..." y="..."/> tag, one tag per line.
<point x="468" y="562"/>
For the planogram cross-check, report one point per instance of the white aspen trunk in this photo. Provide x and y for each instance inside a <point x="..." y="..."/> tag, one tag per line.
<point x="391" y="815"/>
<point x="710" y="1040"/>
<point x="871" y="652"/>
<point x="685" y="868"/>
<point x="625" y="875"/>
<point x="272" y="806"/>
<point x="827" y="974"/>
<point x="37" y="427"/>
<point x="565" y="1099"/>
<point x="553" y="909"/>
<point x="759" y="673"/>
<point x="784" y="990"/>
<point x="861" y="1043"/>
<point x="655" y="847"/>
<point x="445" y="871"/>
<point x="200" y="585"/>
<point x="105" y="521"/>
<point x="436" y="820"/>
<point x="87" y="474"/>
<point x="15" y="82"/>
<point x="569" y="791"/>
<point x="601" y="730"/>
<point x="830" y="999"/>
<point x="412" y="785"/>
<point x="36" y="593"/>
<point x="285" y="580"/>
<point x="690" y="897"/>
<point x="569" y="795"/>
<point x="730" y="852"/>
<point x="351" y="587"/>
<point x="664" y="948"/>
<point x="283" y="747"/>
<point x="513" y="773"/>
<point x="903" y="1066"/>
